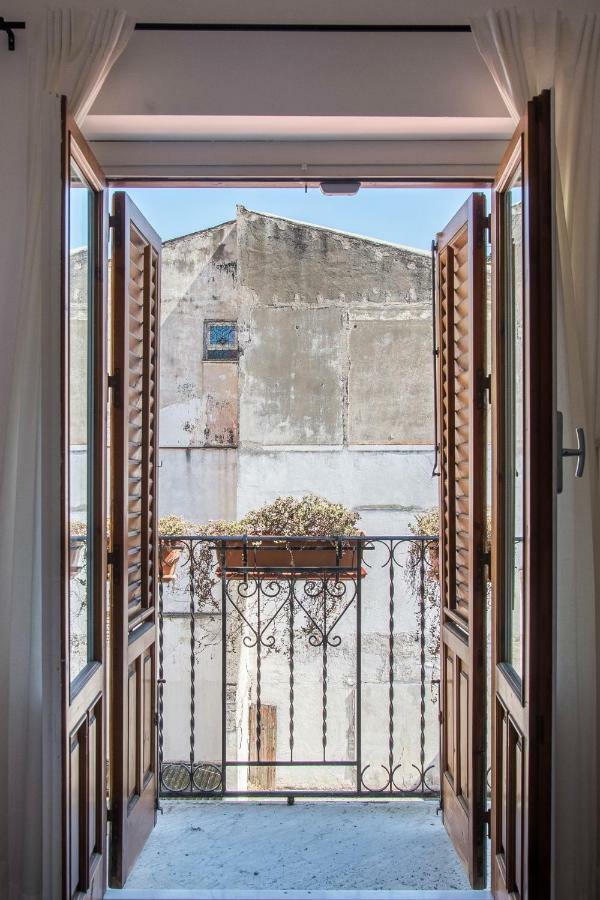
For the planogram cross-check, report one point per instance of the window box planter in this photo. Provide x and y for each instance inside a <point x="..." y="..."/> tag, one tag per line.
<point x="273" y="558"/>
<point x="169" y="555"/>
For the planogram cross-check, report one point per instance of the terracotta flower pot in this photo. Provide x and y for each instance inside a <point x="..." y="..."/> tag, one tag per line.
<point x="433" y="555"/>
<point x="289" y="558"/>
<point x="170" y="552"/>
<point x="76" y="557"/>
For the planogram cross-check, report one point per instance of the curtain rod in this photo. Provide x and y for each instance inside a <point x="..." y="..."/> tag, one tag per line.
<point x="345" y="29"/>
<point x="11" y="27"/>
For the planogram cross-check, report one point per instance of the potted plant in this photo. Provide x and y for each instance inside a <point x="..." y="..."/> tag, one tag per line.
<point x="170" y="548"/>
<point x="267" y="531"/>
<point x="77" y="546"/>
<point x="427" y="524"/>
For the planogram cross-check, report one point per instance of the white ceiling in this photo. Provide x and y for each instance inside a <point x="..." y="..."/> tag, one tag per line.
<point x="369" y="11"/>
<point x="305" y="128"/>
<point x="265" y="86"/>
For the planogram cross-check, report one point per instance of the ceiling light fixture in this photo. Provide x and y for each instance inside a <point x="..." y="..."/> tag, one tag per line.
<point x="340" y="188"/>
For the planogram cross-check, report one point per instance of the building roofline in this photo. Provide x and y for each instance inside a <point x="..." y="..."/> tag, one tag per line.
<point x="352" y="234"/>
<point x="189" y="234"/>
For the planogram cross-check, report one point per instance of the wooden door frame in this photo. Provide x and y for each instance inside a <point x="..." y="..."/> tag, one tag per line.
<point x="90" y="685"/>
<point x="543" y="671"/>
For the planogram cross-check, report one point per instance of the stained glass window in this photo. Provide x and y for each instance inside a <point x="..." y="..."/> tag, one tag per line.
<point x="220" y="340"/>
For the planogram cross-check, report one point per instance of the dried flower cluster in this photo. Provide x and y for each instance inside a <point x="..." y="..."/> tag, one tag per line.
<point x="286" y="516"/>
<point x="426" y="523"/>
<point x="173" y="525"/>
<point x="308" y="515"/>
<point x="77" y="528"/>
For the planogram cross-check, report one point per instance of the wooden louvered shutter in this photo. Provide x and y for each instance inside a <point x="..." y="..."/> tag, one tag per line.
<point x="461" y="340"/>
<point x="134" y="421"/>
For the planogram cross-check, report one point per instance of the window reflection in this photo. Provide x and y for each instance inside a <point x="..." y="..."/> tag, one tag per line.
<point x="514" y="419"/>
<point x="80" y="355"/>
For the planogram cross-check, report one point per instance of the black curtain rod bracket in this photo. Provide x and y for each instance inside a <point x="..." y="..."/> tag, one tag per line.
<point x="10" y="28"/>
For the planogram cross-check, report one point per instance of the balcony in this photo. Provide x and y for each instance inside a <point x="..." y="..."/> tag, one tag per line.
<point x="298" y="667"/>
<point x="306" y="669"/>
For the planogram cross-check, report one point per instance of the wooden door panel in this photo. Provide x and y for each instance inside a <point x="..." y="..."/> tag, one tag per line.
<point x="522" y="665"/>
<point x="460" y="295"/>
<point x="75" y="805"/>
<point x="134" y="783"/>
<point x="509" y="811"/>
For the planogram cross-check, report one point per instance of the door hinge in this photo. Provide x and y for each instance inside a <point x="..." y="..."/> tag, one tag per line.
<point x="114" y="222"/>
<point x="108" y="814"/>
<point x="485" y="561"/>
<point x="487" y="227"/>
<point x="484" y="389"/>
<point x="113" y="560"/>
<point x="487" y="818"/>
<point x="114" y="384"/>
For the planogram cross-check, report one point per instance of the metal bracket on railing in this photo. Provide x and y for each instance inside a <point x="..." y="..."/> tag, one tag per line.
<point x="562" y="452"/>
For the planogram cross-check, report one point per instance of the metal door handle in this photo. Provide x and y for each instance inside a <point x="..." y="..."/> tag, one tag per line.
<point x="562" y="452"/>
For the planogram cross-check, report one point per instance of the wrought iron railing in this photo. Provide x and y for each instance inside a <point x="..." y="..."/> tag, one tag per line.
<point x="298" y="666"/>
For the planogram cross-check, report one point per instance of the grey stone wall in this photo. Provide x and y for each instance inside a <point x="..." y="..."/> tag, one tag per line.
<point x="335" y="352"/>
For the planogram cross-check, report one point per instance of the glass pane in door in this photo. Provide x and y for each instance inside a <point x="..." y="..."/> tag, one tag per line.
<point x="80" y="418"/>
<point x="514" y="421"/>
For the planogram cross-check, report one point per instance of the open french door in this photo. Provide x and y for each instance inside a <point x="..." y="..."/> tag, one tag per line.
<point x="523" y="511"/>
<point x="84" y="541"/>
<point x="520" y="562"/>
<point x="461" y="317"/>
<point x="134" y="518"/>
<point x="129" y="379"/>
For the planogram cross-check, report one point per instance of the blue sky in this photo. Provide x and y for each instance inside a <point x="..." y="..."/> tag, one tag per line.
<point x="401" y="215"/>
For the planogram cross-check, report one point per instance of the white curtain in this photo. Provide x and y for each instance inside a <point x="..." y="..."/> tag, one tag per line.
<point x="525" y="53"/>
<point x="71" y="52"/>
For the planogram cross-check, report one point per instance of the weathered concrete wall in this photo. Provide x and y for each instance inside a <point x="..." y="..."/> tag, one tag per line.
<point x="337" y="332"/>
<point x="314" y="265"/>
<point x="198" y="400"/>
<point x="390" y="393"/>
<point x="385" y="485"/>
<point x="292" y="377"/>
<point x="198" y="484"/>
